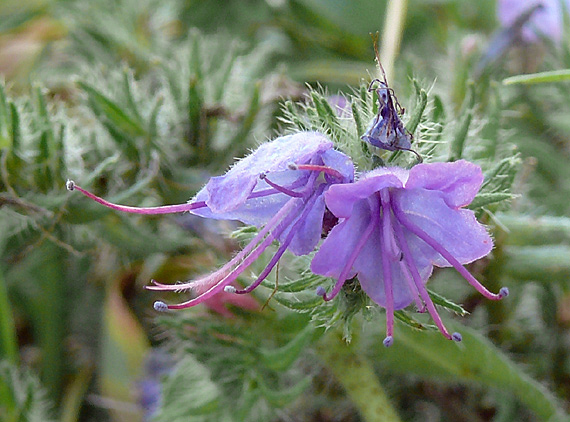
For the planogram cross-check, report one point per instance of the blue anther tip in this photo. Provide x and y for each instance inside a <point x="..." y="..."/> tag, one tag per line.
<point x="456" y="337"/>
<point x="504" y="292"/>
<point x="321" y="291"/>
<point x="160" y="306"/>
<point x="388" y="341"/>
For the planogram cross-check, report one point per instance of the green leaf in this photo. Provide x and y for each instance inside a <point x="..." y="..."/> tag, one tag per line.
<point x="484" y="199"/>
<point x="541" y="263"/>
<point x="538" y="78"/>
<point x="475" y="359"/>
<point x="8" y="339"/>
<point x="282" y="358"/>
<point x="280" y="398"/>
<point x="187" y="392"/>
<point x="104" y="106"/>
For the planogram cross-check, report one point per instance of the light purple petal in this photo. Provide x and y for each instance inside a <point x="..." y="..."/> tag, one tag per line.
<point x="339" y="161"/>
<point x="226" y="193"/>
<point x="457" y="230"/>
<point x="309" y="233"/>
<point x="459" y="181"/>
<point x="340" y="198"/>
<point x="340" y="242"/>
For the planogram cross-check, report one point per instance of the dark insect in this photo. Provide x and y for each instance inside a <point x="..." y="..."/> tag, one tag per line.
<point x="387" y="131"/>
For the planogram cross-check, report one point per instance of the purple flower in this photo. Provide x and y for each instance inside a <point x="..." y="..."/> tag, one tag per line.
<point x="547" y="20"/>
<point x="395" y="225"/>
<point x="278" y="187"/>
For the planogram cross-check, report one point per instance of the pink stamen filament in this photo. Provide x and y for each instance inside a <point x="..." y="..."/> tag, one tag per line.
<point x="361" y="242"/>
<point x="165" y="209"/>
<point x="319" y="168"/>
<point x="284" y="245"/>
<point x="418" y="280"/>
<point x="227" y="268"/>
<point x="401" y="216"/>
<point x="279" y="188"/>
<point x="386" y="249"/>
<point x="280" y="224"/>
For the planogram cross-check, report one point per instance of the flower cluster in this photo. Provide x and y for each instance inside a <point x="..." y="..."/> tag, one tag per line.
<point x="389" y="228"/>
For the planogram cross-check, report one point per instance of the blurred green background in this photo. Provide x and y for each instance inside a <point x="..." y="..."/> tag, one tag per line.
<point x="142" y="101"/>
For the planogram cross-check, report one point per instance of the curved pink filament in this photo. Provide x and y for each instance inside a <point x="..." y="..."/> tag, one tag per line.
<point x="418" y="280"/>
<point x="401" y="216"/>
<point x="354" y="255"/>
<point x="386" y="251"/>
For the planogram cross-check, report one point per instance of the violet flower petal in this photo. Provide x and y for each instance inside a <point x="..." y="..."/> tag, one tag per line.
<point x="458" y="182"/>
<point x="228" y="192"/>
<point x="457" y="230"/>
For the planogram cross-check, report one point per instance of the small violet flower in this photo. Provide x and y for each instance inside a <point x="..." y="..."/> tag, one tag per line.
<point x="278" y="187"/>
<point x="546" y="20"/>
<point x="395" y="225"/>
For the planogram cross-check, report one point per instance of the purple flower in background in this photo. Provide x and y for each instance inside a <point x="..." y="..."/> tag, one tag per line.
<point x="395" y="225"/>
<point x="547" y="20"/>
<point x="278" y="187"/>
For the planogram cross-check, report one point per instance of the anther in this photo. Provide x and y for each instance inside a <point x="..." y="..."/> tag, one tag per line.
<point x="504" y="292"/>
<point x="293" y="166"/>
<point x="230" y="289"/>
<point x="388" y="341"/>
<point x="70" y="185"/>
<point x="456" y="337"/>
<point x="321" y="291"/>
<point x="160" y="306"/>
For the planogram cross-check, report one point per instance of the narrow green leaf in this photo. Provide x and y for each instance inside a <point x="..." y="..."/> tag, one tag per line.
<point x="297" y="304"/>
<point x="475" y="359"/>
<point x="8" y="338"/>
<point x="525" y="231"/>
<point x="537" y="78"/>
<point x="282" y="358"/>
<point x="112" y="111"/>
<point x="280" y="398"/>
<point x="540" y="263"/>
<point x="458" y="141"/>
<point x="446" y="303"/>
<point x="187" y="392"/>
<point x="484" y="199"/>
<point x="418" y="111"/>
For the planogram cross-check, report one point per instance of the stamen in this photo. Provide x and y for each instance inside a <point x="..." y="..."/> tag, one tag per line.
<point x="220" y="283"/>
<point x="401" y="216"/>
<point x="230" y="289"/>
<point x="227" y="268"/>
<point x="418" y="280"/>
<point x="160" y="306"/>
<point x="165" y="209"/>
<point x="388" y="341"/>
<point x="386" y="251"/>
<point x="319" y="168"/>
<point x="456" y="337"/>
<point x="354" y="255"/>
<point x="279" y="188"/>
<point x="284" y="245"/>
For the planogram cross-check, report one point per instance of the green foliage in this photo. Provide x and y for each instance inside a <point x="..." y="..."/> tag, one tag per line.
<point x="23" y="397"/>
<point x="142" y="101"/>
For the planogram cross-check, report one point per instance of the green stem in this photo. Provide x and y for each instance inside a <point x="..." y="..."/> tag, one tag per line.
<point x="356" y="374"/>
<point x="392" y="34"/>
<point x="8" y="339"/>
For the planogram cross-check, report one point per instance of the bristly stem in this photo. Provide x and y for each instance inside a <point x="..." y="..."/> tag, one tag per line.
<point x="357" y="376"/>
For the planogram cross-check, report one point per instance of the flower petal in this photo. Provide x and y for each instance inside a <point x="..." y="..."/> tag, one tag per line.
<point x="341" y="198"/>
<point x="457" y="230"/>
<point x="309" y="233"/>
<point x="226" y="193"/>
<point x="459" y="181"/>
